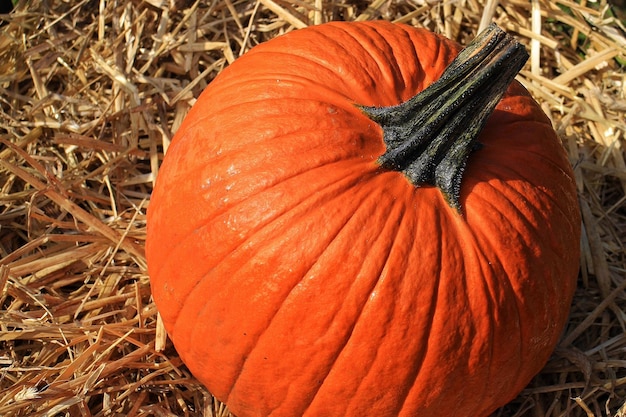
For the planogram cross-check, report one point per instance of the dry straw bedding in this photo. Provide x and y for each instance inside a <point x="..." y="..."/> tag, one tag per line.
<point x="91" y="92"/>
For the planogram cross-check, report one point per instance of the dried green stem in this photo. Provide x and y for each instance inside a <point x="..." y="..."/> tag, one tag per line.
<point x="430" y="137"/>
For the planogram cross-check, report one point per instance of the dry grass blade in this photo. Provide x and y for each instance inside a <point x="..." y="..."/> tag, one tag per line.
<point x="90" y="96"/>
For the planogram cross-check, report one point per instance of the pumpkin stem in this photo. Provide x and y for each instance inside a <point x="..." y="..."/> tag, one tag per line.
<point x="430" y="136"/>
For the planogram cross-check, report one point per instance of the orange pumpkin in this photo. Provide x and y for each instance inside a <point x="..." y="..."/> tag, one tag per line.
<point x="303" y="268"/>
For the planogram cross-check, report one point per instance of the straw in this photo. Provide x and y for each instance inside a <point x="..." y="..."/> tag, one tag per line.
<point x="91" y="94"/>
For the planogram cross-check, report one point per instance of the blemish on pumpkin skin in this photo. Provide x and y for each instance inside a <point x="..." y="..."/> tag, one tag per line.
<point x="232" y="170"/>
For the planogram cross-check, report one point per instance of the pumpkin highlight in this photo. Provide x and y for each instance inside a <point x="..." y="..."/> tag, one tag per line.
<point x="296" y="276"/>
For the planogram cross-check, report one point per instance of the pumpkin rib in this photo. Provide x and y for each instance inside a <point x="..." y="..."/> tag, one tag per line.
<point x="443" y="50"/>
<point x="538" y="222"/>
<point x="506" y="286"/>
<point x="198" y="227"/>
<point x="250" y="168"/>
<point x="391" y="72"/>
<point x="521" y="175"/>
<point x="504" y="263"/>
<point x="487" y="301"/>
<point x="361" y="206"/>
<point x="536" y="210"/>
<point x="501" y="187"/>
<point x="315" y="148"/>
<point x="418" y="360"/>
<point x="508" y="193"/>
<point x="318" y="148"/>
<point x="391" y="220"/>
<point x="514" y="150"/>
<point x="537" y="158"/>
<point x="290" y="177"/>
<point x="418" y="363"/>
<point x="426" y="321"/>
<point x="493" y="151"/>
<point x="377" y="288"/>
<point x="431" y="319"/>
<point x="431" y="356"/>
<point x="354" y="85"/>
<point x="181" y="247"/>
<point x="347" y="83"/>
<point x="480" y="302"/>
<point x="276" y="52"/>
<point x="406" y="43"/>
<point x="369" y="307"/>
<point x="499" y="218"/>
<point x="232" y="84"/>
<point x="269" y="104"/>
<point x="327" y="190"/>
<point x="238" y="369"/>
<point x="314" y="90"/>
<point x="298" y="82"/>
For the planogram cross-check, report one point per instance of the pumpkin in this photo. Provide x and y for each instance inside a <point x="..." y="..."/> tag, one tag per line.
<point x="344" y="227"/>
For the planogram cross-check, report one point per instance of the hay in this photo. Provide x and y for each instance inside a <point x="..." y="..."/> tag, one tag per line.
<point x="90" y="95"/>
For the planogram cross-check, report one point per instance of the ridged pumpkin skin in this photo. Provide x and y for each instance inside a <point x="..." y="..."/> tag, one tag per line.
<point x="298" y="278"/>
